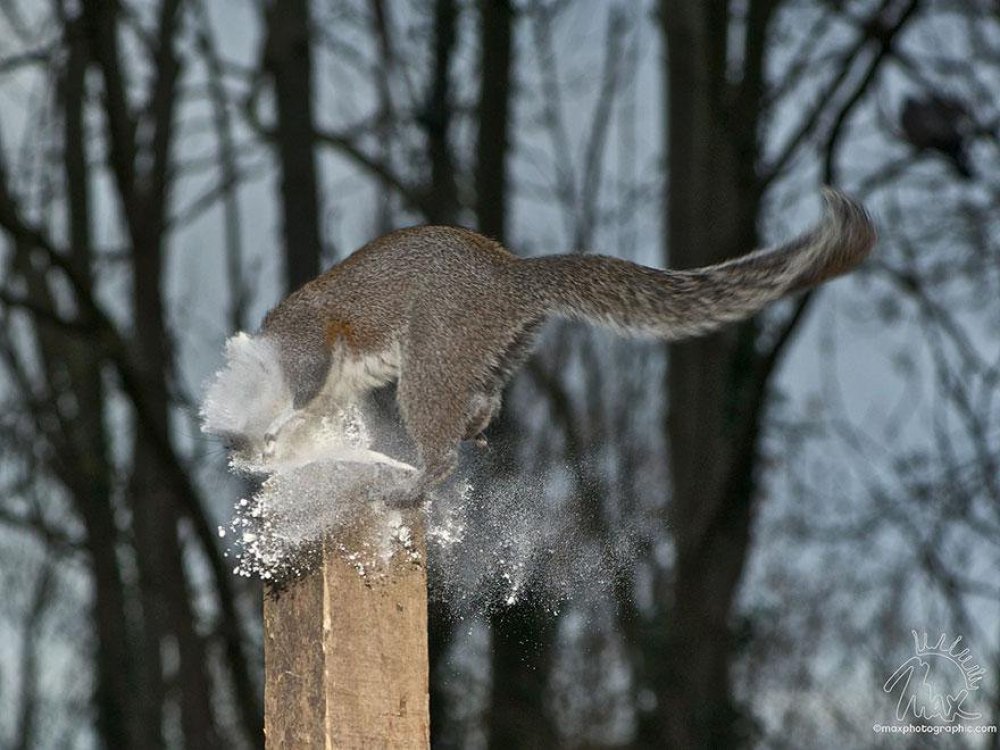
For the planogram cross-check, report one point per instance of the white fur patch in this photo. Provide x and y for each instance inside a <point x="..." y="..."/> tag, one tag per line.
<point x="249" y="392"/>
<point x="352" y="377"/>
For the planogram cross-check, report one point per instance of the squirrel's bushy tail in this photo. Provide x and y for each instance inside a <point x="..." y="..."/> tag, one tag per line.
<point x="671" y="305"/>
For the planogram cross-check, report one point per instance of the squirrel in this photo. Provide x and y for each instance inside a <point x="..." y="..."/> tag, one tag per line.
<point x="451" y="315"/>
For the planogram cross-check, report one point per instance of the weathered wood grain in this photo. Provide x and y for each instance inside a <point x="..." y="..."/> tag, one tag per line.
<point x="345" y="655"/>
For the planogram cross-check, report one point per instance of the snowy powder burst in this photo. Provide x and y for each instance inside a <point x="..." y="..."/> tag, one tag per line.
<point x="488" y="547"/>
<point x="333" y="484"/>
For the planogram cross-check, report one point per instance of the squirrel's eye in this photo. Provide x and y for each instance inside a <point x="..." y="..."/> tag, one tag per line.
<point x="234" y="443"/>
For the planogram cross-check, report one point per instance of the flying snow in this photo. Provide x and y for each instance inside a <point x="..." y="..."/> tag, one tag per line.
<point x="248" y="392"/>
<point x="488" y="546"/>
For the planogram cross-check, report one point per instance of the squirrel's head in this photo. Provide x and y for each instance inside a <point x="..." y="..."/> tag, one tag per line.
<point x="246" y="395"/>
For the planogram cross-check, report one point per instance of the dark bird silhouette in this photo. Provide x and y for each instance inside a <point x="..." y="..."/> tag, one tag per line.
<point x="939" y="123"/>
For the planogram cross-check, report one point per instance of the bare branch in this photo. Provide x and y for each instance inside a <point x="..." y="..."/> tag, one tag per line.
<point x="599" y="127"/>
<point x="845" y="63"/>
<point x="14" y="63"/>
<point x="886" y="40"/>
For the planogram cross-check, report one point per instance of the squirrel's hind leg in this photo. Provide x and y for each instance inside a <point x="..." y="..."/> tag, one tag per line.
<point x="437" y="427"/>
<point x="435" y="408"/>
<point x="453" y="367"/>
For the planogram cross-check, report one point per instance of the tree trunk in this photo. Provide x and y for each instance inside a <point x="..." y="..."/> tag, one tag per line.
<point x="143" y="189"/>
<point x="440" y="207"/>
<point x="442" y="203"/>
<point x="523" y="638"/>
<point x="167" y="611"/>
<point x="522" y="635"/>
<point x="711" y="215"/>
<point x="496" y="22"/>
<point x="90" y="478"/>
<point x="287" y="58"/>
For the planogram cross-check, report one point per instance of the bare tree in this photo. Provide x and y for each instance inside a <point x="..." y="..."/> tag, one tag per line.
<point x="719" y="386"/>
<point x="134" y="625"/>
<point x="288" y="61"/>
<point x="689" y="456"/>
<point x="496" y="19"/>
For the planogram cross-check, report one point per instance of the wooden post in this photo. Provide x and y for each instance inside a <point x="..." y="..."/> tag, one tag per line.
<point x="345" y="653"/>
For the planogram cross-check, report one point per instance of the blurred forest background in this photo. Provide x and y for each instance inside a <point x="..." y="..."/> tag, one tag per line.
<point x="810" y="486"/>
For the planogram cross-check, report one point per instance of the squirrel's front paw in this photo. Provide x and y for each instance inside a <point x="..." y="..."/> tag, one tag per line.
<point x="285" y="424"/>
<point x="270" y="445"/>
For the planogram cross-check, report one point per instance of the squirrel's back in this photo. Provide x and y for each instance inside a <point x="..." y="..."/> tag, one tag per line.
<point x="458" y="272"/>
<point x="377" y="282"/>
<point x="451" y="314"/>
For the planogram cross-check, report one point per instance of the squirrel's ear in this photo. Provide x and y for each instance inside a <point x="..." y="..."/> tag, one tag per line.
<point x="234" y="442"/>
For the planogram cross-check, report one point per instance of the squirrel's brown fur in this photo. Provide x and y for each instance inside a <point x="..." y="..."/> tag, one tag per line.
<point x="452" y="314"/>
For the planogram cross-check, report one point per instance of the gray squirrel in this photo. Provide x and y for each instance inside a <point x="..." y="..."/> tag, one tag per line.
<point x="451" y="315"/>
